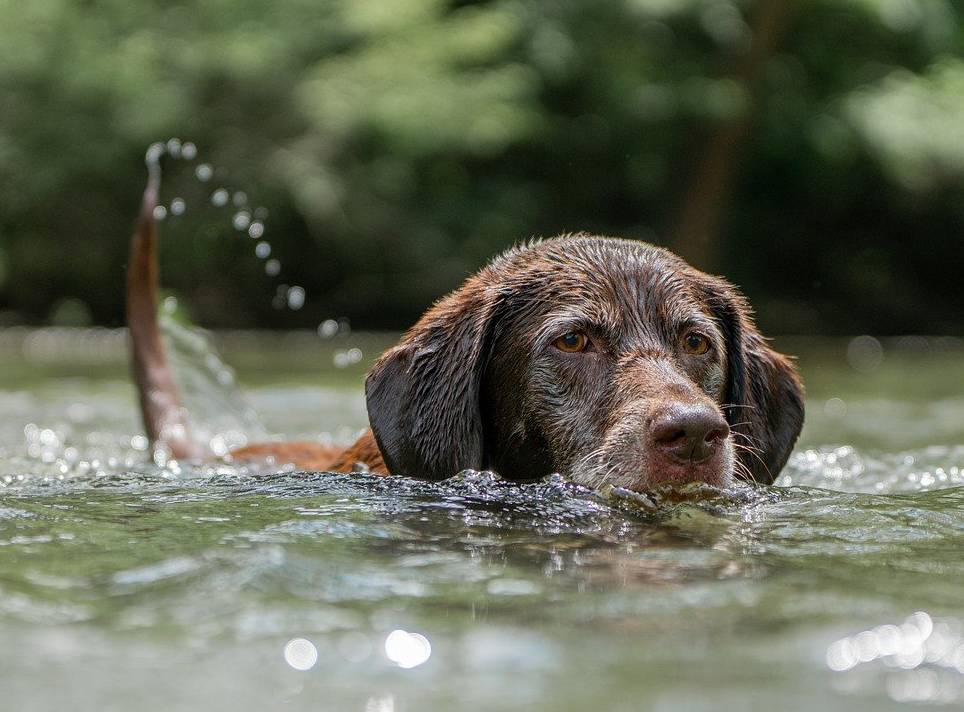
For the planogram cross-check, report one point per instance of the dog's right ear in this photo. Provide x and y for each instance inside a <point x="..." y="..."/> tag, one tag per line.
<point x="764" y="395"/>
<point x="423" y="394"/>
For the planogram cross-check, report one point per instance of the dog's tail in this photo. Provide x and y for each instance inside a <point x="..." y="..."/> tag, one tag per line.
<point x="165" y="421"/>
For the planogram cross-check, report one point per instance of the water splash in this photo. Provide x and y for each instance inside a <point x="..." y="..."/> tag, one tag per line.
<point x="247" y="220"/>
<point x="209" y="572"/>
<point x="217" y="410"/>
<point x="219" y="413"/>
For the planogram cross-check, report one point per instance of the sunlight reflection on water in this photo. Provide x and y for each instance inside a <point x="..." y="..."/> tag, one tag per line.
<point x="847" y="469"/>
<point x="919" y="657"/>
<point x="301" y="654"/>
<point x="407" y="650"/>
<point x="798" y="594"/>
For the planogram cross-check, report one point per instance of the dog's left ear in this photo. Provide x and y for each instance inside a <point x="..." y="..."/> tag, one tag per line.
<point x="423" y="394"/>
<point x="764" y="394"/>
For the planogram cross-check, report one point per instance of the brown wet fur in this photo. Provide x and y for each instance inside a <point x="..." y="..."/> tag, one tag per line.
<point x="317" y="457"/>
<point x="164" y="419"/>
<point x="476" y="383"/>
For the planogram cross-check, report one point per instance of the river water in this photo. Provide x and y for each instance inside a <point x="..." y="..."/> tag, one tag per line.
<point x="129" y="584"/>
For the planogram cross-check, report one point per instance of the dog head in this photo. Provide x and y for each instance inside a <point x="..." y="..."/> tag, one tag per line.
<point x="610" y="361"/>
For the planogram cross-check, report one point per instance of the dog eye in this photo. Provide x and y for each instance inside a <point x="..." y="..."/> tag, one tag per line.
<point x="571" y="342"/>
<point x="696" y="343"/>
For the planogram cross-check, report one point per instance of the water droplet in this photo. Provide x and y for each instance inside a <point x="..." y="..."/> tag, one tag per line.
<point x="328" y="328"/>
<point x="160" y="212"/>
<point x="204" y="171"/>
<point x="174" y="147"/>
<point x="240" y="199"/>
<point x="261" y="213"/>
<point x="219" y="198"/>
<point x="262" y="250"/>
<point x="154" y="152"/>
<point x="256" y="230"/>
<point x="241" y="220"/>
<point x="189" y="151"/>
<point x="835" y="408"/>
<point x="272" y="268"/>
<point x="865" y="353"/>
<point x="178" y="206"/>
<point x="296" y="298"/>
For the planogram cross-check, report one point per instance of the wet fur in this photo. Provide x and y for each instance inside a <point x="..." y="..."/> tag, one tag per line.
<point x="475" y="384"/>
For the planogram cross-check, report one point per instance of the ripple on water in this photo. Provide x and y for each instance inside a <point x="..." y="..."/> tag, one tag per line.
<point x="801" y="585"/>
<point x="846" y="469"/>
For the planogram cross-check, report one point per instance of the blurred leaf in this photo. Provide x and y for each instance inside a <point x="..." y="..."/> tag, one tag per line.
<point x="915" y="123"/>
<point x="397" y="144"/>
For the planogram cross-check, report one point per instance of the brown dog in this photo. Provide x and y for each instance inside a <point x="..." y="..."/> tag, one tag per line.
<point x="607" y="360"/>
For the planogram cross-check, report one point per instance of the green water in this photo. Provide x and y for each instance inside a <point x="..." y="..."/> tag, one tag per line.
<point x="129" y="585"/>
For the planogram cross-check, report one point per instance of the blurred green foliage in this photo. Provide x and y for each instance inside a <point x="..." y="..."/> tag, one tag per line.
<point x="400" y="143"/>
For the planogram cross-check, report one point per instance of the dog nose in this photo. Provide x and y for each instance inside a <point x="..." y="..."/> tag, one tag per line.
<point x="689" y="434"/>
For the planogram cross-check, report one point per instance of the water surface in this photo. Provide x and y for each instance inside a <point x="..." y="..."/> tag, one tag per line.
<point x="128" y="584"/>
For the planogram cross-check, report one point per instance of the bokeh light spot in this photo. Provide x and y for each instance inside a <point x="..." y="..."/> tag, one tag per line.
<point x="301" y="654"/>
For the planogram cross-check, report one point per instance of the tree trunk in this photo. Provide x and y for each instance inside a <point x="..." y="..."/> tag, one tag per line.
<point x="697" y="235"/>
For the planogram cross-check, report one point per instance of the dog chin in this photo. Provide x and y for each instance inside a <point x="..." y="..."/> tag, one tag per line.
<point x="675" y="476"/>
<point x="715" y="472"/>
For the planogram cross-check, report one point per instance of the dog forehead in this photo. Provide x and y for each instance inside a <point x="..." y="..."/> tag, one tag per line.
<point x="583" y="250"/>
<point x="627" y="281"/>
